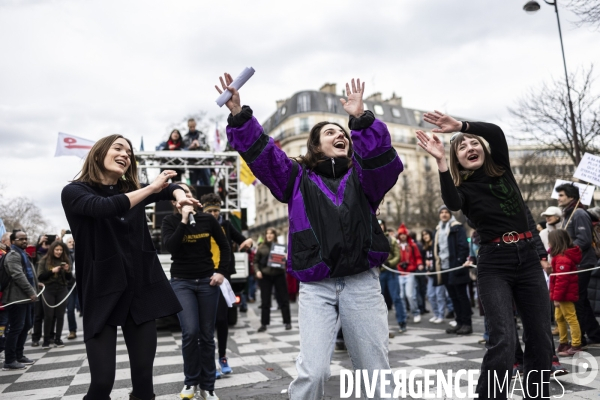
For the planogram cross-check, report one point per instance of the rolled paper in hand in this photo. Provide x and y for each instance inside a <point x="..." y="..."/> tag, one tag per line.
<point x="237" y="84"/>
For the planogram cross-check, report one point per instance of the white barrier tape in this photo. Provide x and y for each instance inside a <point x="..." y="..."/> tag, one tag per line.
<point x="575" y="272"/>
<point x="474" y="266"/>
<point x="427" y="273"/>
<point x="63" y="300"/>
<point x="24" y="300"/>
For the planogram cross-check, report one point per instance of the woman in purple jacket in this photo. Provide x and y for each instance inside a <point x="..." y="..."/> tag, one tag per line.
<point x="334" y="241"/>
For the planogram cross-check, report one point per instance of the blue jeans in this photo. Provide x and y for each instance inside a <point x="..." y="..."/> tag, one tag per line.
<point x="199" y="301"/>
<point x="20" y="321"/>
<point x="389" y="282"/>
<point x="408" y="289"/>
<point x="357" y="302"/>
<point x="437" y="298"/>
<point x="507" y="273"/>
<point x="449" y="305"/>
<point x="71" y="304"/>
<point x="252" y="287"/>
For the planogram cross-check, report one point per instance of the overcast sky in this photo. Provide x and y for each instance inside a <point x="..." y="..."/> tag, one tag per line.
<point x="94" y="68"/>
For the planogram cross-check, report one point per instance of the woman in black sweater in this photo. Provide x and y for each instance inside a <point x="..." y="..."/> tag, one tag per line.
<point x="120" y="281"/>
<point x="269" y="278"/>
<point x="195" y="278"/>
<point x="480" y="183"/>
<point x="54" y="271"/>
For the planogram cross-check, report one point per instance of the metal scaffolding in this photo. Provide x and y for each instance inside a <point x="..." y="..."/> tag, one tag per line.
<point x="226" y="166"/>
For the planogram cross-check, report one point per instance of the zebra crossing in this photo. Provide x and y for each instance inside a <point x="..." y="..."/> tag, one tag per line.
<point x="263" y="363"/>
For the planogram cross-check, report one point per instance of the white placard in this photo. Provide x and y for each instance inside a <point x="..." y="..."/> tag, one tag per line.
<point x="588" y="169"/>
<point x="585" y="194"/>
<point x="237" y="84"/>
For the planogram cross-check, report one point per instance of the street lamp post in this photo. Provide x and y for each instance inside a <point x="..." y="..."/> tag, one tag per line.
<point x="531" y="7"/>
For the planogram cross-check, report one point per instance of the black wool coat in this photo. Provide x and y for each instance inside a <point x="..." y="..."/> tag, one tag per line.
<point x="118" y="271"/>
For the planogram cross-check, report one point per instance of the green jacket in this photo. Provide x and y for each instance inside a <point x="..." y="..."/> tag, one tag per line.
<point x="394" y="257"/>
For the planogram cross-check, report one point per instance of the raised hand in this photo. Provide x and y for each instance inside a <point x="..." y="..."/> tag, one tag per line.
<point x="234" y="103"/>
<point x="162" y="179"/>
<point x="445" y="123"/>
<point x="354" y="105"/>
<point x="433" y="146"/>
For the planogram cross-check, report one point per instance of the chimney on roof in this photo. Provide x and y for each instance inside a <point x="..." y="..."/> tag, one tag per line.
<point x="280" y="103"/>
<point x="375" y="97"/>
<point x="395" y="101"/>
<point x="328" y="88"/>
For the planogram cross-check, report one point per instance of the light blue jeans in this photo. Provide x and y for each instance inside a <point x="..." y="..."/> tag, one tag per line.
<point x="408" y="289"/>
<point x="437" y="297"/>
<point x="358" y="303"/>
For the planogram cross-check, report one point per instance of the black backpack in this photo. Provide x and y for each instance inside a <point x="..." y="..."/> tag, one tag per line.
<point x="5" y="277"/>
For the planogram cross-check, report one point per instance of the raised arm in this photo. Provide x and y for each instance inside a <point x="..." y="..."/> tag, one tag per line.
<point x="268" y="162"/>
<point x="375" y="159"/>
<point x="453" y="199"/>
<point x="490" y="132"/>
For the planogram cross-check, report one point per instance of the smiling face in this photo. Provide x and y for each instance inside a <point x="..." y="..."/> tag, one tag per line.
<point x="334" y="142"/>
<point x="470" y="153"/>
<point x="117" y="160"/>
<point x="175" y="136"/>
<point x="270" y="236"/>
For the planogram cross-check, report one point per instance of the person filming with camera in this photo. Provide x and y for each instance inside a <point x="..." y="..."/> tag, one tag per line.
<point x="54" y="271"/>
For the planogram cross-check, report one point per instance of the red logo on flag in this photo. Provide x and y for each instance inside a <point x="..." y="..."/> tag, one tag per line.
<point x="71" y="143"/>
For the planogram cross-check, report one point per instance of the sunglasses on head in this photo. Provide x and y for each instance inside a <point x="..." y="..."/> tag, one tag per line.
<point x="454" y="136"/>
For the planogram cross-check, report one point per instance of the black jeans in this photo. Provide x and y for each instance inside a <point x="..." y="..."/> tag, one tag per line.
<point x="71" y="305"/>
<point x="102" y="357"/>
<point x="222" y="325"/>
<point x="266" y="285"/>
<point x="585" y="315"/>
<point x="507" y="273"/>
<point x="461" y="303"/>
<point x="54" y="294"/>
<point x="38" y="320"/>
<point x="421" y="292"/>
<point x="20" y="321"/>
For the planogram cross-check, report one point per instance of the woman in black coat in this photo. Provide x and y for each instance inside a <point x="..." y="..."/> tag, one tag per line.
<point x="120" y="281"/>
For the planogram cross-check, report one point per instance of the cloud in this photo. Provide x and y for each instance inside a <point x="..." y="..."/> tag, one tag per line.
<point x="96" y="68"/>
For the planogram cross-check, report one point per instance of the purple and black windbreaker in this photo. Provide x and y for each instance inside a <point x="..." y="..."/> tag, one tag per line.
<point x="332" y="233"/>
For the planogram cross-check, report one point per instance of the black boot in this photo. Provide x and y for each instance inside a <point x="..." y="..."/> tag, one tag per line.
<point x="465" y="330"/>
<point x="453" y="329"/>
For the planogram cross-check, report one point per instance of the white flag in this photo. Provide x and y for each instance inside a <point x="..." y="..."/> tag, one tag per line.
<point x="69" y="145"/>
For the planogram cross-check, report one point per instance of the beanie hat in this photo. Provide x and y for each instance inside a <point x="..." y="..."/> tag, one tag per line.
<point x="403" y="230"/>
<point x="444" y="207"/>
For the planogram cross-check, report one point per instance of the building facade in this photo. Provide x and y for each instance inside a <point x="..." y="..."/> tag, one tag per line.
<point x="290" y="124"/>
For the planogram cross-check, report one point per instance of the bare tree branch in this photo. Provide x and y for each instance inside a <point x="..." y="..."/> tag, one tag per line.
<point x="588" y="12"/>
<point x="544" y="120"/>
<point x="22" y="213"/>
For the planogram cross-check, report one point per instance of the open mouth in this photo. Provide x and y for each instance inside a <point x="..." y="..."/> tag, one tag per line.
<point x="339" y="145"/>
<point x="121" y="163"/>
<point x="473" y="157"/>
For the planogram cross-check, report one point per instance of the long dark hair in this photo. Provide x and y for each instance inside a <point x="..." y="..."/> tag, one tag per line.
<point x="489" y="166"/>
<point x="559" y="241"/>
<point x="171" y="136"/>
<point x="315" y="156"/>
<point x="49" y="257"/>
<point x="93" y="166"/>
<point x="427" y="245"/>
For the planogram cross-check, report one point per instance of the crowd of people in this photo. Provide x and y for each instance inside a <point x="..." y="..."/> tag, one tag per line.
<point x="349" y="275"/>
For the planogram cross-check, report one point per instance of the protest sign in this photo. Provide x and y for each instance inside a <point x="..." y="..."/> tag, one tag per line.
<point x="588" y="169"/>
<point x="277" y="256"/>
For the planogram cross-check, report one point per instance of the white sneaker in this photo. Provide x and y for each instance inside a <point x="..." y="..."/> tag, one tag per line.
<point x="433" y="319"/>
<point x="452" y="323"/>
<point x="417" y="319"/>
<point x="208" y="395"/>
<point x="438" y="320"/>
<point x="187" y="392"/>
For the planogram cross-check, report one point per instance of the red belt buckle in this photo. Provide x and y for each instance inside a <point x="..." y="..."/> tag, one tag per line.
<point x="511" y="237"/>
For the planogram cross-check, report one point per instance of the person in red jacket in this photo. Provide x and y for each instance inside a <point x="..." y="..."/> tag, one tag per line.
<point x="564" y="290"/>
<point x="410" y="261"/>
